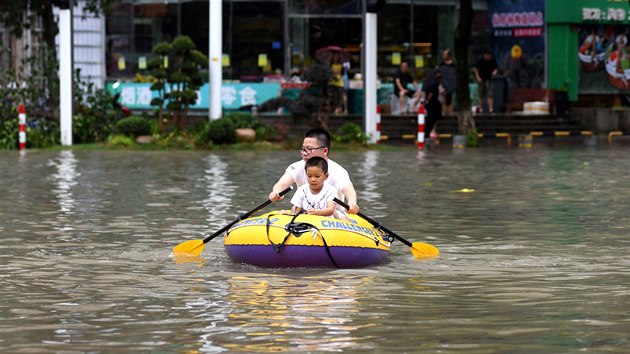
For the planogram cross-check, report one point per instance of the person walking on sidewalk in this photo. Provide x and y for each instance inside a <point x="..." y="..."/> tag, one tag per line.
<point x="433" y="105"/>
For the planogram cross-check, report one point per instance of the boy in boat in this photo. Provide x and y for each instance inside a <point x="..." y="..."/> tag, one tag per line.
<point x="317" y="143"/>
<point x="316" y="197"/>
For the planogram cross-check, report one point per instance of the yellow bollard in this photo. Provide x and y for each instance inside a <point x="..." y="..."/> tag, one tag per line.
<point x="525" y="141"/>
<point x="615" y="133"/>
<point x="561" y="133"/>
<point x="507" y="136"/>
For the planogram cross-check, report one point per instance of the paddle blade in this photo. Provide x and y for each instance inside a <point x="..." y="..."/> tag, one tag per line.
<point x="191" y="248"/>
<point x="424" y="250"/>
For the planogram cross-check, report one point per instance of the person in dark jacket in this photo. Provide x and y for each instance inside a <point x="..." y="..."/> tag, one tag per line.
<point x="401" y="89"/>
<point x="485" y="68"/>
<point x="449" y="81"/>
<point x="433" y="105"/>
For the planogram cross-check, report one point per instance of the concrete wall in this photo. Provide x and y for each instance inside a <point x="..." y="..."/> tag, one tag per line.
<point x="603" y="120"/>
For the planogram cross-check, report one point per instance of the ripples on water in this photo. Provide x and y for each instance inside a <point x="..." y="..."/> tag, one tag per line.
<point x="533" y="260"/>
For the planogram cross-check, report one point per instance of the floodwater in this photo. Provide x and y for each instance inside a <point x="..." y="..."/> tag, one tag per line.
<point x="534" y="255"/>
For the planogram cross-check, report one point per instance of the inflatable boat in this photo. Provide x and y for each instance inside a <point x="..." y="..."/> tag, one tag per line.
<point x="285" y="240"/>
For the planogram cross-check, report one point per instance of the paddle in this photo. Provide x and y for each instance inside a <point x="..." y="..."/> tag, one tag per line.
<point x="193" y="248"/>
<point x="418" y="249"/>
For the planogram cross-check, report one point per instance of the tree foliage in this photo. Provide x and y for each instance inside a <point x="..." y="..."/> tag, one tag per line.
<point x="313" y="103"/>
<point x="20" y="16"/>
<point x="177" y="68"/>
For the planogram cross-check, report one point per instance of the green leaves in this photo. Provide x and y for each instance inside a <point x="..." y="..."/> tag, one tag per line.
<point x="178" y="81"/>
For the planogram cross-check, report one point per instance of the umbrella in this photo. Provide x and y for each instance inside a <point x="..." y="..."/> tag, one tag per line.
<point x="324" y="55"/>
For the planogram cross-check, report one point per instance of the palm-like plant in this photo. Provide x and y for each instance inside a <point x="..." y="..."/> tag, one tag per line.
<point x="177" y="83"/>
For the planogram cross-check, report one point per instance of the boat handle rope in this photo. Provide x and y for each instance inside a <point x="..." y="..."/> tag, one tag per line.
<point x="298" y="229"/>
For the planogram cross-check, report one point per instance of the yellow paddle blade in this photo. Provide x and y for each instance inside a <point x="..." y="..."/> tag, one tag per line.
<point x="424" y="250"/>
<point x="191" y="248"/>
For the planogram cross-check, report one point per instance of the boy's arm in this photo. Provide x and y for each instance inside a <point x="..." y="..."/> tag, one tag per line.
<point x="329" y="211"/>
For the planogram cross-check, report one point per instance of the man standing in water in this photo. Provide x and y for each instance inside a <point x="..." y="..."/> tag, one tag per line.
<point x="317" y="143"/>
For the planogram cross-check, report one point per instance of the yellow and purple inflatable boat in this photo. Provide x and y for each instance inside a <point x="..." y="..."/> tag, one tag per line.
<point x="285" y="240"/>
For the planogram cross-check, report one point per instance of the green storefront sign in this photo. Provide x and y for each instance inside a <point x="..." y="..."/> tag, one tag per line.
<point x="588" y="11"/>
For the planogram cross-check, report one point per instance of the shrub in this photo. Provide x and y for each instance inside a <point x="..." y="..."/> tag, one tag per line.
<point x="120" y="141"/>
<point x="351" y="133"/>
<point x="9" y="134"/>
<point x="44" y="134"/>
<point x="472" y="139"/>
<point x="246" y="120"/>
<point x="133" y="126"/>
<point x="220" y="131"/>
<point x="96" y="114"/>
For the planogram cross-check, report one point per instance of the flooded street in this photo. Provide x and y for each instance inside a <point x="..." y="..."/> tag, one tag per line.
<point x="534" y="254"/>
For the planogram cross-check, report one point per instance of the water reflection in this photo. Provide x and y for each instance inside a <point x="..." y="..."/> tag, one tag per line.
<point x="279" y="313"/>
<point x="369" y="178"/>
<point x="219" y="189"/>
<point x="64" y="180"/>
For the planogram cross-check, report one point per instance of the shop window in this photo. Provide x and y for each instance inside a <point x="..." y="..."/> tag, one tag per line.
<point x="325" y="7"/>
<point x="310" y="34"/>
<point x="194" y="23"/>
<point x="253" y="38"/>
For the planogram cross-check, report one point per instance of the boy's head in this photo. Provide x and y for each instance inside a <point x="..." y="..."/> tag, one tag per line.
<point x="317" y="161"/>
<point x="316" y="172"/>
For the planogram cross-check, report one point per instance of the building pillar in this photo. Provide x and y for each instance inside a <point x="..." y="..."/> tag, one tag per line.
<point x="369" y="76"/>
<point x="216" y="51"/>
<point x="65" y="75"/>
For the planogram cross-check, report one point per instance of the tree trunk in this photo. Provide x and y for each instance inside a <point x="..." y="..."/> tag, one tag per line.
<point x="49" y="61"/>
<point x="465" y="119"/>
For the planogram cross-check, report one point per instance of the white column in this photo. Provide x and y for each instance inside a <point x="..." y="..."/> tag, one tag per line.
<point x="65" y="75"/>
<point x="369" y="96"/>
<point x="216" y="48"/>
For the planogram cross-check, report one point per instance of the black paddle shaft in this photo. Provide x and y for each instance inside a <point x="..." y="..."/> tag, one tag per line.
<point x="244" y="216"/>
<point x="375" y="223"/>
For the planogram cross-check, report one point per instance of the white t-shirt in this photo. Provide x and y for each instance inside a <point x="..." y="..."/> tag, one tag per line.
<point x="337" y="178"/>
<point x="305" y="199"/>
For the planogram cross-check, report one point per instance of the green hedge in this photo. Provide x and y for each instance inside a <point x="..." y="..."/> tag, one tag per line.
<point x="133" y="126"/>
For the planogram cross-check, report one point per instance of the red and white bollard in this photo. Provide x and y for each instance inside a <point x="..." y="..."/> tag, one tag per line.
<point x="22" y="127"/>
<point x="377" y="134"/>
<point x="421" y="115"/>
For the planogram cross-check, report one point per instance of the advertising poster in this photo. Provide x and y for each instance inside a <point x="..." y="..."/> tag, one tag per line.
<point x="518" y="40"/>
<point x="604" y="51"/>
<point x="604" y="60"/>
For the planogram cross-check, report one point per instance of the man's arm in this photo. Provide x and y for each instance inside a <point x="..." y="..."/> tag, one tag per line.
<point x="351" y="198"/>
<point x="477" y="74"/>
<point x="283" y="183"/>
<point x="400" y="87"/>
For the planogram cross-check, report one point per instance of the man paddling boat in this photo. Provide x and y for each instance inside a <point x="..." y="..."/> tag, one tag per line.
<point x="317" y="143"/>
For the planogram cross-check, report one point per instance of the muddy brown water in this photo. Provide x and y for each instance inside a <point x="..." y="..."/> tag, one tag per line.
<point x="534" y="254"/>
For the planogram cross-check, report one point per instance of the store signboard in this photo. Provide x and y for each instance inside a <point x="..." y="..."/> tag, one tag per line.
<point x="233" y="95"/>
<point x="588" y="11"/>
<point x="518" y="40"/>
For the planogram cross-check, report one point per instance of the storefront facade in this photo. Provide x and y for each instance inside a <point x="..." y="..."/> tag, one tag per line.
<point x="266" y="40"/>
<point x="588" y="49"/>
